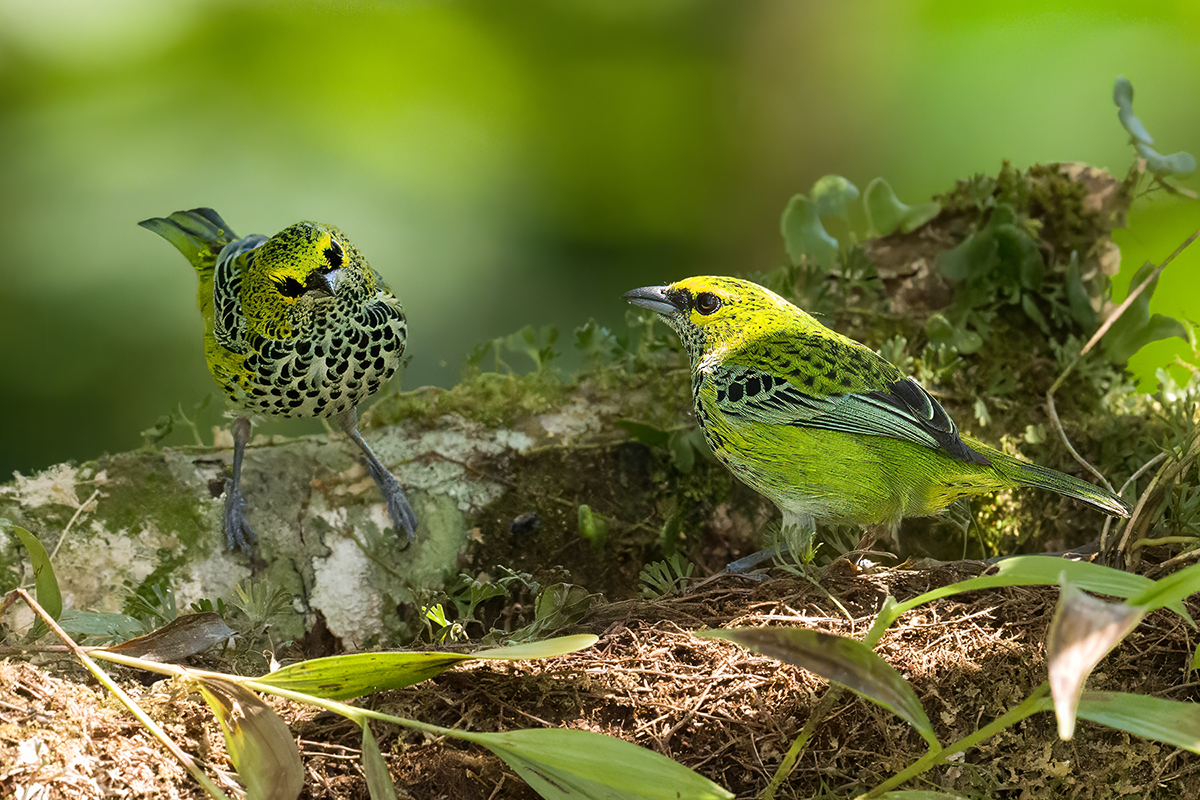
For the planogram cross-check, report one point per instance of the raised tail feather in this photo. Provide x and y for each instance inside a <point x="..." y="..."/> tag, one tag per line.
<point x="199" y="234"/>
<point x="1026" y="474"/>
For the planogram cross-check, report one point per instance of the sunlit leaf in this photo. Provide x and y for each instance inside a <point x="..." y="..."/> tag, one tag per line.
<point x="1171" y="721"/>
<point x="547" y="648"/>
<point x="840" y="659"/>
<point x="1169" y="590"/>
<point x="1045" y="571"/>
<point x="358" y="674"/>
<point x="259" y="744"/>
<point x="1083" y="631"/>
<point x="563" y="763"/>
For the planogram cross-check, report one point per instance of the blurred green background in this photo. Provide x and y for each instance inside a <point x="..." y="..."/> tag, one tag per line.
<point x="506" y="163"/>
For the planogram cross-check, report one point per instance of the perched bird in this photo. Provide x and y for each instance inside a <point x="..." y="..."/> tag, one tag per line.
<point x="297" y="325"/>
<point x="823" y="426"/>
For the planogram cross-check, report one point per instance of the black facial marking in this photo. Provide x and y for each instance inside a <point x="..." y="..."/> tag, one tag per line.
<point x="333" y="254"/>
<point x="735" y="392"/>
<point x="753" y="387"/>
<point x="290" y="287"/>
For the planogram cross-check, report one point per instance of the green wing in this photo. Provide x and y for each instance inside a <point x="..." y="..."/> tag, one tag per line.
<point x="897" y="407"/>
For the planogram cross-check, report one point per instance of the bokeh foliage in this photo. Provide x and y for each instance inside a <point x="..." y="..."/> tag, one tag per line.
<point x="502" y="164"/>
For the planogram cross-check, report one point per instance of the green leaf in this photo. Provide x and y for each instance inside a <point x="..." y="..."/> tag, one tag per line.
<point x="593" y="527"/>
<point x="1078" y="298"/>
<point x="357" y="674"/>
<point x="547" y="648"/>
<point x="111" y="626"/>
<point x="1170" y="721"/>
<point x="1033" y="312"/>
<point x="1181" y="163"/>
<point x="564" y="763"/>
<point x="1045" y="571"/>
<point x="1136" y="327"/>
<point x="375" y="770"/>
<point x="885" y="212"/>
<point x="646" y="434"/>
<point x="832" y="196"/>
<point x="1123" y="97"/>
<point x="45" y="584"/>
<point x="840" y="659"/>
<point x="1169" y="590"/>
<point x="259" y="743"/>
<point x="805" y="236"/>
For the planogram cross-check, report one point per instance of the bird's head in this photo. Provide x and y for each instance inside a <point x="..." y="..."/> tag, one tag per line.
<point x="309" y="259"/>
<point x="304" y="267"/>
<point x="714" y="314"/>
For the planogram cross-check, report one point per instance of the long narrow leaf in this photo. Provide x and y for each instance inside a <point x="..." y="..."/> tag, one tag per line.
<point x="564" y="763"/>
<point x="837" y="658"/>
<point x="44" y="582"/>
<point x="358" y="674"/>
<point x="1045" y="571"/>
<point x="1170" y="721"/>
<point x="379" y="780"/>
<point x="1169" y="590"/>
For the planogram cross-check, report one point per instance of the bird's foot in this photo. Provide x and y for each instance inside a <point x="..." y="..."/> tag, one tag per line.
<point x="238" y="533"/>
<point x="743" y="567"/>
<point x="403" y="517"/>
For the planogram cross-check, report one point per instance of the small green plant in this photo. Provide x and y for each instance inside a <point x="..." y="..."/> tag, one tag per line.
<point x="666" y="578"/>
<point x="1161" y="167"/>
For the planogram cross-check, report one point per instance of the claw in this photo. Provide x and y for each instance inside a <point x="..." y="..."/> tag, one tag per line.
<point x="238" y="533"/>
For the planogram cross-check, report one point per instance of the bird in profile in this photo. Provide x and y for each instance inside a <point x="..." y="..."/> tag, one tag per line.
<point x="295" y="325"/>
<point x="823" y="426"/>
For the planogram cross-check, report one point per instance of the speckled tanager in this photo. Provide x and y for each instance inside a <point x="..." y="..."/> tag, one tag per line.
<point x="295" y="325"/>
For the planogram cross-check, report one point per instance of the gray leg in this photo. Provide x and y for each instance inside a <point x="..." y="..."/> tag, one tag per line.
<point x="798" y="532"/>
<point x="399" y="510"/>
<point x="238" y="533"/>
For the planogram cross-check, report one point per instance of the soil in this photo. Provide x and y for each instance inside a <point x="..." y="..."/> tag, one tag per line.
<point x="725" y="712"/>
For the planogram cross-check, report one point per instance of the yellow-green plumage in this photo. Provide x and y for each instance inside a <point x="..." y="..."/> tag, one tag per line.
<point x="826" y="428"/>
<point x="295" y="325"/>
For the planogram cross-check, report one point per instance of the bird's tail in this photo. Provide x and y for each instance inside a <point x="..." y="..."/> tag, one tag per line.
<point x="1024" y="473"/>
<point x="199" y="234"/>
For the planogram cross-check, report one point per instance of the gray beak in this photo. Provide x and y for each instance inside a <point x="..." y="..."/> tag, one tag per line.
<point x="654" y="298"/>
<point x="323" y="282"/>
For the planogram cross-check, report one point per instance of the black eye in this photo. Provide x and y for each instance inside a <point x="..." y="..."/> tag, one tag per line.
<point x="707" y="302"/>
<point x="290" y="288"/>
<point x="333" y="254"/>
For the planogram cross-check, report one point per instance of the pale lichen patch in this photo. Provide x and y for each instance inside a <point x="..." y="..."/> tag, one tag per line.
<point x="55" y="485"/>
<point x="342" y="591"/>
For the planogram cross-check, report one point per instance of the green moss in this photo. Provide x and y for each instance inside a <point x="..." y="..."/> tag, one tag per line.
<point x="490" y="398"/>
<point x="141" y="488"/>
